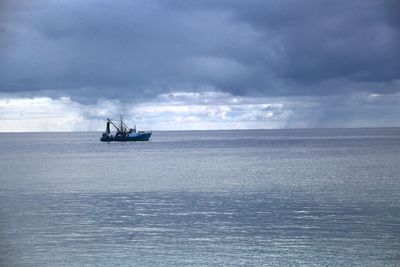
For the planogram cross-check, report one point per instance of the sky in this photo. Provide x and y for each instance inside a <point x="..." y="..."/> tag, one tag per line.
<point x="67" y="65"/>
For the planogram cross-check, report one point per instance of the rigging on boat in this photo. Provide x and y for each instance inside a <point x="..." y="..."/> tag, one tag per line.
<point x="123" y="132"/>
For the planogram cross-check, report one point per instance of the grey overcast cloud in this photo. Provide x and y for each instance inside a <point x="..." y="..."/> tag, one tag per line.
<point x="173" y="65"/>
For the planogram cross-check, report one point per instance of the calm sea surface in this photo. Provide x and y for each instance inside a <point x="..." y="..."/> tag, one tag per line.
<point x="204" y="198"/>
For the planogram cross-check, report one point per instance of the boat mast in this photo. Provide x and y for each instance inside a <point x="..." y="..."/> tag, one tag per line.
<point x="122" y="127"/>
<point x="126" y="126"/>
<point x="110" y="121"/>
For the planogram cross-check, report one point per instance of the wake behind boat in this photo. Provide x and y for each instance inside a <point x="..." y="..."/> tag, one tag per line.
<point x="123" y="134"/>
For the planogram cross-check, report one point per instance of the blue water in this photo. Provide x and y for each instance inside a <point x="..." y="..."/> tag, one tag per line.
<point x="220" y="198"/>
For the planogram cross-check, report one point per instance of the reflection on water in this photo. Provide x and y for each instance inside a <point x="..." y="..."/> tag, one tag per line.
<point x="152" y="229"/>
<point x="219" y="198"/>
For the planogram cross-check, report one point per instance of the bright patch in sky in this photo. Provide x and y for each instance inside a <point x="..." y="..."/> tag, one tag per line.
<point x="197" y="111"/>
<point x="175" y="111"/>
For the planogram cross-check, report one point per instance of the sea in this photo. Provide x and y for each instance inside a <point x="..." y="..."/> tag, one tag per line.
<point x="307" y="197"/>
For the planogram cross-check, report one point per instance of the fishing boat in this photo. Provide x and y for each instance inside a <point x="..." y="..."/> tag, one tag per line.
<point x="124" y="133"/>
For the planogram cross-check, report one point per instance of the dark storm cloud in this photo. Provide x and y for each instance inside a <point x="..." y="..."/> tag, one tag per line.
<point x="318" y="41"/>
<point x="138" y="49"/>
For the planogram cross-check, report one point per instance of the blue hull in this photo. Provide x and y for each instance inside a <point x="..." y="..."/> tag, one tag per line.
<point x="138" y="137"/>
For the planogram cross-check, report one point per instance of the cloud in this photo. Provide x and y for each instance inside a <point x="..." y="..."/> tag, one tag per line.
<point x="47" y="114"/>
<point x="173" y="111"/>
<point x="178" y="53"/>
<point x="228" y="115"/>
<point x="201" y="111"/>
<point x="136" y="50"/>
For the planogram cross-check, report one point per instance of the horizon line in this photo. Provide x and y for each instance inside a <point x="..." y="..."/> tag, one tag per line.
<point x="205" y="130"/>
